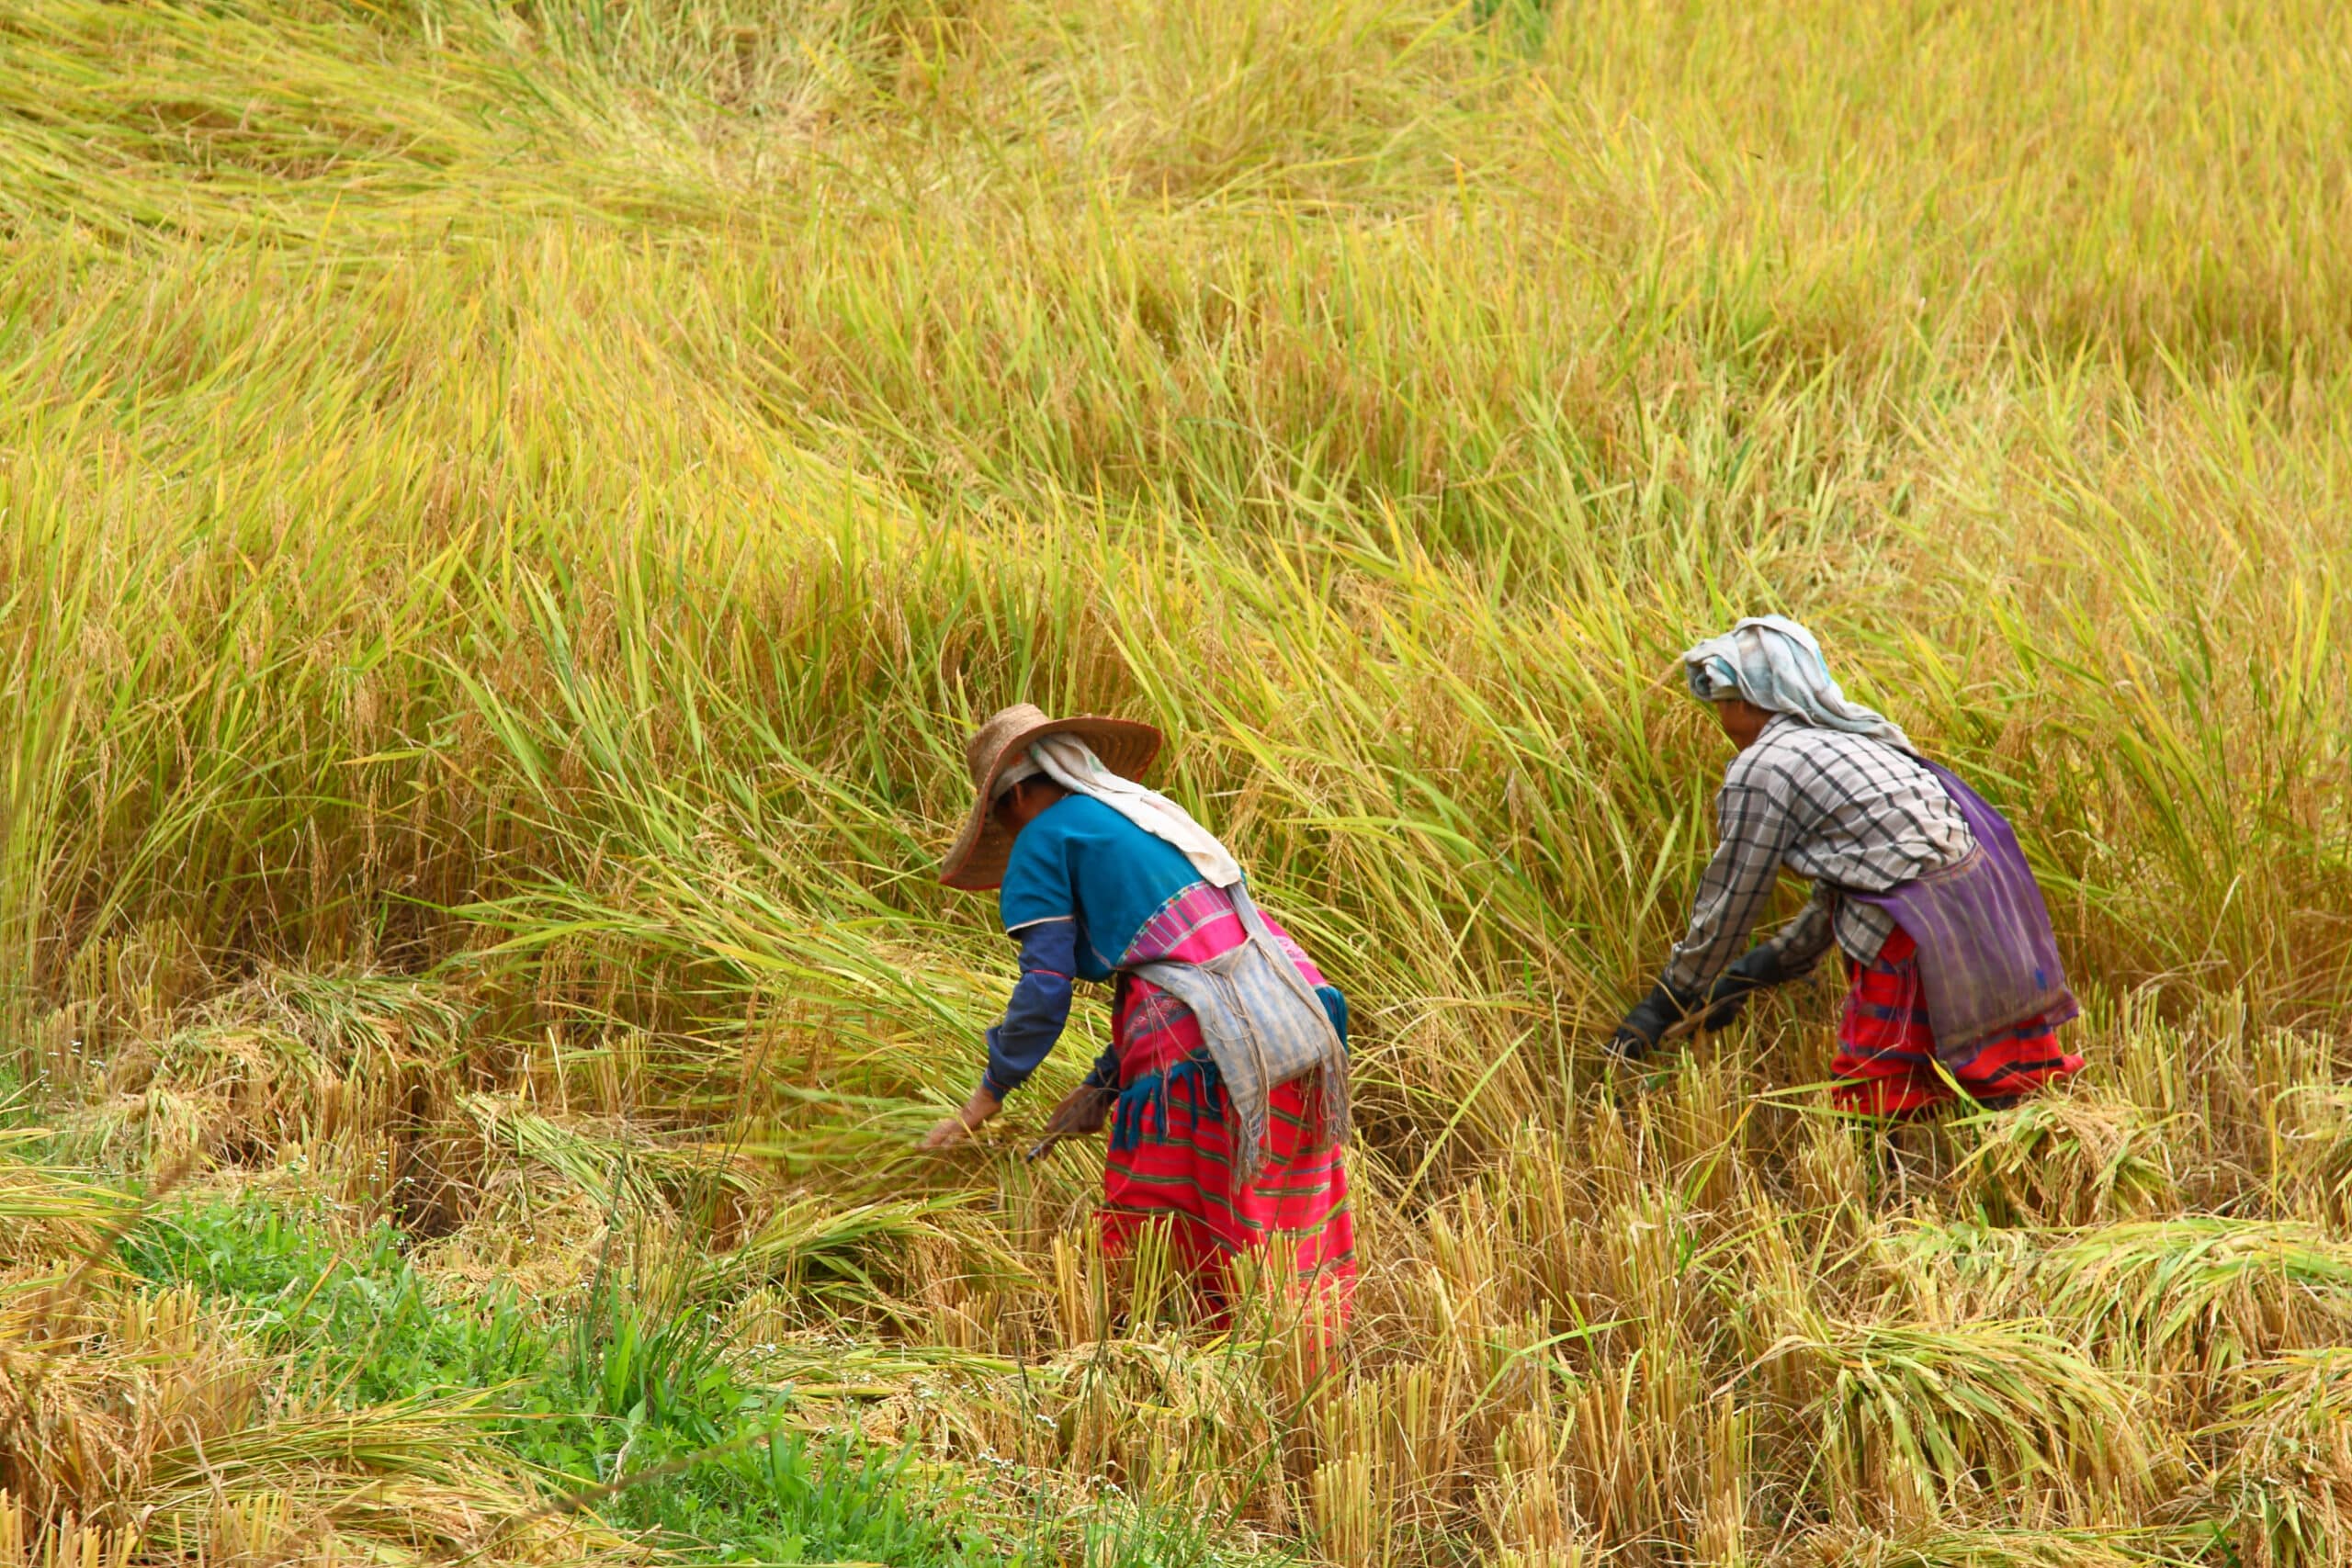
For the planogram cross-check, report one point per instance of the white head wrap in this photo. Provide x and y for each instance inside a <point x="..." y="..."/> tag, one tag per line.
<point x="1069" y="763"/>
<point x="1012" y="773"/>
<point x="1776" y="664"/>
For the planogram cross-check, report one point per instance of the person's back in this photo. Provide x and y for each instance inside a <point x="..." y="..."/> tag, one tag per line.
<point x="1119" y="876"/>
<point x="1863" y="814"/>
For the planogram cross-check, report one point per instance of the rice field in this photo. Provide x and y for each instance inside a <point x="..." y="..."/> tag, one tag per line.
<point x="512" y="508"/>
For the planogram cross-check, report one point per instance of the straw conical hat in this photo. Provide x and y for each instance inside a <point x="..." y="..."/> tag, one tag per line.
<point x="977" y="860"/>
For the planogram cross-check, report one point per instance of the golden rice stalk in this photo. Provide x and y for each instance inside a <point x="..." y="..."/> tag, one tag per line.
<point x="90" y="1389"/>
<point x="291" y="1059"/>
<point x="2284" y="1490"/>
<point x="1575" y="1555"/>
<point x="48" y="1211"/>
<point x="1530" y="1509"/>
<point x="1209" y="1427"/>
<point x="2200" y="1292"/>
<point x="833" y="1367"/>
<point x="151" y="1410"/>
<point x="2318" y="1131"/>
<point x="1634" y="1449"/>
<point x="1995" y="1547"/>
<point x="1346" y="1505"/>
<point x="639" y="1173"/>
<point x="843" y="1255"/>
<point x="237" y="1093"/>
<point x="2067" y="1159"/>
<point x="544" y="1244"/>
<point x="1423" y="1422"/>
<point x="28" y="1541"/>
<point x="1082" y="1286"/>
<point x="1921" y="1422"/>
<point x="415" y="1476"/>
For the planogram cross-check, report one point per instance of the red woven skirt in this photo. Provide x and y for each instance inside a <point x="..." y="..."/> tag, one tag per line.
<point x="1180" y="1170"/>
<point x="1887" y="1050"/>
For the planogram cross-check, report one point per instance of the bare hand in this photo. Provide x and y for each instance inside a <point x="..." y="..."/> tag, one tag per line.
<point x="944" y="1135"/>
<point x="1083" y="1110"/>
<point x="959" y="1127"/>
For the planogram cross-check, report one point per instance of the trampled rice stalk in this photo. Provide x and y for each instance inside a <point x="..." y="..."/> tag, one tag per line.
<point x="45" y="1194"/>
<point x="827" y="1367"/>
<point x="2197" y="1294"/>
<point x="2200" y="1293"/>
<point x="2283" y="1492"/>
<point x="1929" y="1422"/>
<point x="2068" y="1159"/>
<point x="647" y="1173"/>
<point x="2126" y="1547"/>
<point x="841" y="1255"/>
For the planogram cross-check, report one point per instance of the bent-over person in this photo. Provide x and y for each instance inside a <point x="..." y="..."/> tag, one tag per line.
<point x="1226" y="1079"/>
<point x="1953" y="969"/>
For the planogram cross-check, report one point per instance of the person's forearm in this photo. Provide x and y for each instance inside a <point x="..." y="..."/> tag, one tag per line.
<point x="1037" y="1012"/>
<point x="967" y="1118"/>
<point x="1732" y="891"/>
<point x="978" y="1109"/>
<point x="1718" y="935"/>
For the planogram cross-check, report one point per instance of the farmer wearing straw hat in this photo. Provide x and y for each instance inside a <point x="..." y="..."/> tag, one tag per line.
<point x="1227" y="1064"/>
<point x="1953" y="971"/>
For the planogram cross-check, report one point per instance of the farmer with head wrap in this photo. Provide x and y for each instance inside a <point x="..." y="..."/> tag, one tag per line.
<point x="1954" y="970"/>
<point x="1225" y="1081"/>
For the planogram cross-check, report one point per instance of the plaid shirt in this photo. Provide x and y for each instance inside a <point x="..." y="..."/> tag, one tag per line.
<point x="1842" y="811"/>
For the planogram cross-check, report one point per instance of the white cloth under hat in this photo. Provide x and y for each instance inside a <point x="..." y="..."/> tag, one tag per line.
<point x="1071" y="763"/>
<point x="1775" y="663"/>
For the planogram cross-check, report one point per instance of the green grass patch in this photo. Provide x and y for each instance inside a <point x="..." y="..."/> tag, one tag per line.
<point x="598" y="1393"/>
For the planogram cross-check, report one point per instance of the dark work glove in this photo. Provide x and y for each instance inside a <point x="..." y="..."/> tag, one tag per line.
<point x="1757" y="969"/>
<point x="1083" y="1111"/>
<point x="1638" y="1035"/>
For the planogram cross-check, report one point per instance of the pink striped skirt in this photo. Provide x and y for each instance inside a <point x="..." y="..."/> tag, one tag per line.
<point x="1177" y="1169"/>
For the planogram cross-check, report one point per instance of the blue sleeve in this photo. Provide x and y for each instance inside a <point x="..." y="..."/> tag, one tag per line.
<point x="1040" y="1006"/>
<point x="1036" y="884"/>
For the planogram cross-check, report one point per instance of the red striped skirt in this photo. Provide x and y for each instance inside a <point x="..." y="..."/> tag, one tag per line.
<point x="1180" y="1170"/>
<point x="1886" y="1051"/>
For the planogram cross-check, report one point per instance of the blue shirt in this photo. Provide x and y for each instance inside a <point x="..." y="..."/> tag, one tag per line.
<point x="1079" y="860"/>
<point x="1081" y="883"/>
